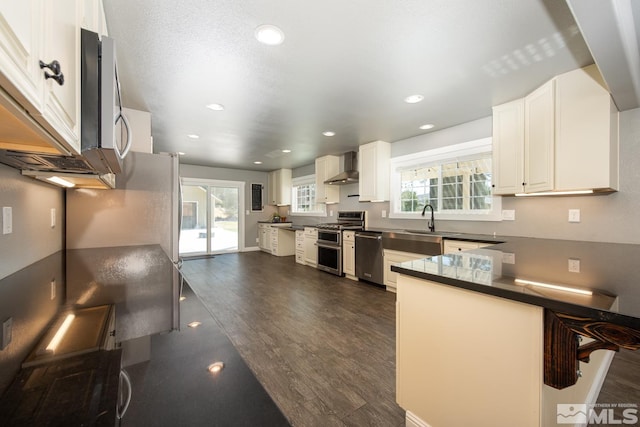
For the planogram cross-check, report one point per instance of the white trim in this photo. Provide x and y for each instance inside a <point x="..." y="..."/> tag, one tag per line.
<point x="251" y="249"/>
<point x="436" y="156"/>
<point x="305" y="180"/>
<point x="412" y="420"/>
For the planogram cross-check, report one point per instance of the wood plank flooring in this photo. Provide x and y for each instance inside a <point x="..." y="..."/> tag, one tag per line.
<point x="322" y="346"/>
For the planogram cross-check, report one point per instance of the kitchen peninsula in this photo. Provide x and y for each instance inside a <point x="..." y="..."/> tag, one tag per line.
<point x="508" y="321"/>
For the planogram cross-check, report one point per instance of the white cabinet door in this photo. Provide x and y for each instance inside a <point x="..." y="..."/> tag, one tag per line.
<point x="539" y="137"/>
<point x="62" y="43"/>
<point x="279" y="187"/>
<point x="586" y="132"/>
<point x="327" y="167"/>
<point x="391" y="258"/>
<point x="508" y="148"/>
<point x="310" y="248"/>
<point x="20" y="46"/>
<point x="349" y="258"/>
<point x="373" y="182"/>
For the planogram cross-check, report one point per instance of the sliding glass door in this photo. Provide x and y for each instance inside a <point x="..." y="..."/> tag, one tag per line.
<point x="211" y="217"/>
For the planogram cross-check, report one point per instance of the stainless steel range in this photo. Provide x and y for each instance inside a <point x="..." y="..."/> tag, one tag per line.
<point x="330" y="239"/>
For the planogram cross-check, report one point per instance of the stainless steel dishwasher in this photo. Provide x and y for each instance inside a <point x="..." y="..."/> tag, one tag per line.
<point x="369" y="262"/>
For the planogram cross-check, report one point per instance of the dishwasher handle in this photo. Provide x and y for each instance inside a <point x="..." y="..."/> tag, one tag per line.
<point x="369" y="236"/>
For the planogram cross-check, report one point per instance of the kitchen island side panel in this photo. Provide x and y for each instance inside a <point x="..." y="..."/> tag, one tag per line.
<point x="467" y="359"/>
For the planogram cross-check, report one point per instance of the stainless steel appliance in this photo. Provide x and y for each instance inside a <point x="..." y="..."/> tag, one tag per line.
<point x="106" y="134"/>
<point x="369" y="262"/>
<point x="329" y="241"/>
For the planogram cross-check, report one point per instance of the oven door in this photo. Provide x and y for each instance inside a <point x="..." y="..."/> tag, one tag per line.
<point x="329" y="258"/>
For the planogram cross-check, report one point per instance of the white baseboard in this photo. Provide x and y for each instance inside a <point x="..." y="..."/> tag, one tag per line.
<point x="412" y="420"/>
<point x="251" y="249"/>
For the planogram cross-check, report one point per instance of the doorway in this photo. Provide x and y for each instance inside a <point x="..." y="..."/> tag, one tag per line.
<point x="211" y="217"/>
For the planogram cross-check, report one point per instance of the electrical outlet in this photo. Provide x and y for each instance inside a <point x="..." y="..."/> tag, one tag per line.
<point x="574" y="215"/>
<point x="257" y="240"/>
<point x="384" y="214"/>
<point x="508" y="215"/>
<point x="574" y="265"/>
<point x="508" y="258"/>
<point x="7" y="220"/>
<point x="7" y="327"/>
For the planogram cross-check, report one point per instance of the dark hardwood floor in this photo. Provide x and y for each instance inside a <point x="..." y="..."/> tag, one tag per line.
<point x="323" y="346"/>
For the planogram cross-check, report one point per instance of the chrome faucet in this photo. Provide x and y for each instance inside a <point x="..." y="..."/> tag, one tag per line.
<point x="431" y="224"/>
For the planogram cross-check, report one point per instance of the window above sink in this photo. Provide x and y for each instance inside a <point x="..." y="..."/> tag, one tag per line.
<point x="455" y="180"/>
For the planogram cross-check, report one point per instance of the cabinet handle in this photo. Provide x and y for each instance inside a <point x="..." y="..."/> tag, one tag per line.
<point x="55" y="68"/>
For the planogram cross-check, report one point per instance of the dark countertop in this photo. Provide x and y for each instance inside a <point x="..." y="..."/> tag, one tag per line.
<point x="274" y="222"/>
<point x="141" y="281"/>
<point x="610" y="270"/>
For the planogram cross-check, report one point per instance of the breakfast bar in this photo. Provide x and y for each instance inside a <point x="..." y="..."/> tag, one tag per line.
<point x="520" y="327"/>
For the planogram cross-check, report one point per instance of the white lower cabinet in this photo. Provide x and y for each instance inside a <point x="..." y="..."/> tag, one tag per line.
<point x="349" y="254"/>
<point x="264" y="237"/>
<point x="391" y="258"/>
<point x="452" y="246"/>
<point x="310" y="248"/>
<point x="282" y="242"/>
<point x="300" y="247"/>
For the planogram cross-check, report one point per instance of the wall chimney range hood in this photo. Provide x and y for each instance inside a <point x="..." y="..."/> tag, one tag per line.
<point x="350" y="174"/>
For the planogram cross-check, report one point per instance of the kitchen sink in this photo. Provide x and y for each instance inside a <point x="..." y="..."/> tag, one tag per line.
<point x="414" y="241"/>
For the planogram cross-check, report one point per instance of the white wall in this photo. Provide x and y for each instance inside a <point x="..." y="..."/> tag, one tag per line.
<point x="33" y="238"/>
<point x="607" y="218"/>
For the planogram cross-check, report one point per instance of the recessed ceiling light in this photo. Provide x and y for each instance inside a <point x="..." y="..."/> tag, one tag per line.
<point x="328" y="133"/>
<point x="193" y="136"/>
<point x="269" y="34"/>
<point x="182" y="298"/>
<point x="412" y="99"/>
<point x="216" y="367"/>
<point x="215" y="107"/>
<point x="427" y="126"/>
<point x="194" y="324"/>
<point x="286" y="151"/>
<point x="257" y="162"/>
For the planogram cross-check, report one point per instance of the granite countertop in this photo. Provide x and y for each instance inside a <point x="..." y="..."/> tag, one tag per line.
<point x="610" y="271"/>
<point x="141" y="281"/>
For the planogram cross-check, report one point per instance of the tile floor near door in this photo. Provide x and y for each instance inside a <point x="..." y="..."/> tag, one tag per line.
<point x="322" y="346"/>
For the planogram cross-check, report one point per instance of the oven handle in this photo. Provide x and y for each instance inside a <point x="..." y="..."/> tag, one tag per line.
<point x="322" y="245"/>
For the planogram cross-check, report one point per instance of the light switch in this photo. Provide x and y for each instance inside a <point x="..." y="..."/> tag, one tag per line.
<point x="53" y="289"/>
<point x="53" y="217"/>
<point x="7" y="220"/>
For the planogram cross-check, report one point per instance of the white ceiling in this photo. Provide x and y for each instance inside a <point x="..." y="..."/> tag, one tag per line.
<point x="345" y="66"/>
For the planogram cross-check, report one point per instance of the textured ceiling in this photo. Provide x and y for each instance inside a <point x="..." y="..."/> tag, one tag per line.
<point x="344" y="66"/>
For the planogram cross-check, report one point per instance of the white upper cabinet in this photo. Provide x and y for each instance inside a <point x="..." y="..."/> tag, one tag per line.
<point x="41" y="30"/>
<point x="373" y="181"/>
<point x="561" y="137"/>
<point x="93" y="18"/>
<point x="508" y="147"/>
<point x="327" y="167"/>
<point x="539" y="139"/>
<point x="279" y="187"/>
<point x="62" y="43"/>
<point x="586" y="132"/>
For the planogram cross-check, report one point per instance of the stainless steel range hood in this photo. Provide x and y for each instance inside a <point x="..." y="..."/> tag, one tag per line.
<point x="350" y="174"/>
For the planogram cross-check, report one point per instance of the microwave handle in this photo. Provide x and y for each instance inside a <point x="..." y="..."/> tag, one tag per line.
<point x="127" y="147"/>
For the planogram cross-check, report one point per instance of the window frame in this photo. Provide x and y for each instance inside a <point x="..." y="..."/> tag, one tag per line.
<point x="439" y="157"/>
<point x="305" y="180"/>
